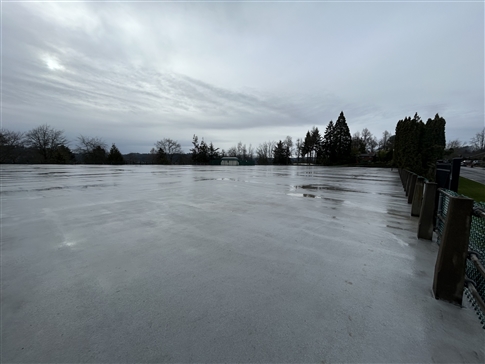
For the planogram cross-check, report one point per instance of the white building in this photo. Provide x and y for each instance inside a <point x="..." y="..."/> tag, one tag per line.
<point x="229" y="161"/>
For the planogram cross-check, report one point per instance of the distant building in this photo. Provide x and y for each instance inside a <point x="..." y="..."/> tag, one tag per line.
<point x="366" y="157"/>
<point x="229" y="161"/>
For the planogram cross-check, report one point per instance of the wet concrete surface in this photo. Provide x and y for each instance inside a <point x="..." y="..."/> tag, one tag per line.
<point x="476" y="174"/>
<point x="220" y="264"/>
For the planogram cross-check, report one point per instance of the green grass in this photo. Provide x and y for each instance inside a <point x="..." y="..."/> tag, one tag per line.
<point x="471" y="189"/>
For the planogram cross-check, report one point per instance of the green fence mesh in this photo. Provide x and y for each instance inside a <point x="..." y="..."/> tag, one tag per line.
<point x="475" y="305"/>
<point x="443" y="203"/>
<point x="476" y="244"/>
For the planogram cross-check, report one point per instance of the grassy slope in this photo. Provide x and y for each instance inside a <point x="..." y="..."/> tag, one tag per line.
<point x="472" y="189"/>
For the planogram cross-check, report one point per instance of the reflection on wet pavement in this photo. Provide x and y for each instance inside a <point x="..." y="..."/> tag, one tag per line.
<point x="219" y="264"/>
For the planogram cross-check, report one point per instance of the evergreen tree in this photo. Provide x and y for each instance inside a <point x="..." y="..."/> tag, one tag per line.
<point x="307" y="146"/>
<point x="280" y="153"/>
<point x="200" y="151"/>
<point x="63" y="155"/>
<point x="213" y="152"/>
<point x="115" y="156"/>
<point x="434" y="141"/>
<point x="92" y="150"/>
<point x="342" y="139"/>
<point x="328" y="145"/>
<point x="161" y="157"/>
<point x="408" y="144"/>
<point x="316" y="141"/>
<point x="97" y="156"/>
<point x="195" y="149"/>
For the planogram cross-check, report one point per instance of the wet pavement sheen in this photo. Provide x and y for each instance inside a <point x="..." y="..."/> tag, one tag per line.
<point x="220" y="264"/>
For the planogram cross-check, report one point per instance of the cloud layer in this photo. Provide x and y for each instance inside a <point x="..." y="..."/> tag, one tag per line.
<point x="133" y="73"/>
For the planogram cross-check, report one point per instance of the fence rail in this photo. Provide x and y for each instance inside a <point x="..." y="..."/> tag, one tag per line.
<point x="462" y="245"/>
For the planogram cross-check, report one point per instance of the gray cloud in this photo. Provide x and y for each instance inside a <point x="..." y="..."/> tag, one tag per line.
<point x="133" y="73"/>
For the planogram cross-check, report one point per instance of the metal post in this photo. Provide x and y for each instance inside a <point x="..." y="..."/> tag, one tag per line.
<point x="449" y="273"/>
<point x="426" y="215"/>
<point x="412" y="186"/>
<point x="417" y="197"/>
<point x="443" y="171"/>
<point x="455" y="174"/>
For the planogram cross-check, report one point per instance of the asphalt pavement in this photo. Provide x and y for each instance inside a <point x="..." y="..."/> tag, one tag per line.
<point x="476" y="173"/>
<point x="150" y="264"/>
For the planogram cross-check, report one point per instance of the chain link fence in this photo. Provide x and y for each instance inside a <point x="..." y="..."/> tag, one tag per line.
<point x="476" y="245"/>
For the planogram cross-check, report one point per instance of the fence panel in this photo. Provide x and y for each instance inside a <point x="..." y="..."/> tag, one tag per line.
<point x="476" y="246"/>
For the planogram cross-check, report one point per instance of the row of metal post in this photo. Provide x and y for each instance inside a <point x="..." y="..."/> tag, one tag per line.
<point x="449" y="275"/>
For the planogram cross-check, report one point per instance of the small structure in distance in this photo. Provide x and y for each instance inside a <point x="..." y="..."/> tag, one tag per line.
<point x="229" y="161"/>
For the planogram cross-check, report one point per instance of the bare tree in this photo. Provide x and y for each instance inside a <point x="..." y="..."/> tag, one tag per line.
<point x="264" y="152"/>
<point x="87" y="144"/>
<point x="92" y="149"/>
<point x="10" y="144"/>
<point x="232" y="152"/>
<point x="357" y="144"/>
<point x="288" y="143"/>
<point x="239" y="150"/>
<point x="298" y="148"/>
<point x="170" y="147"/>
<point x="368" y="140"/>
<point x="45" y="140"/>
<point x="250" y="152"/>
<point x="373" y="144"/>
<point x="454" y="144"/>
<point x="384" y="142"/>
<point x="478" y="141"/>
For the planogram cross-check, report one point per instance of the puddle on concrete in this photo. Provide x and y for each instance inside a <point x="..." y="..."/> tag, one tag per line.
<point x="48" y="189"/>
<point x="50" y="173"/>
<point x="394" y="227"/>
<point x="324" y="187"/>
<point x="310" y="195"/>
<point x="200" y="179"/>
<point x="303" y="195"/>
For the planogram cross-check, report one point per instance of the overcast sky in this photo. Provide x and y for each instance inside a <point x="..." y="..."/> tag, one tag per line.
<point x="136" y="72"/>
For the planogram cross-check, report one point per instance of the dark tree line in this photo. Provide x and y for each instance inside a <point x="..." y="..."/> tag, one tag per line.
<point x="282" y="151"/>
<point x="419" y="145"/>
<point x="416" y="146"/>
<point x="203" y="153"/>
<point x="334" y="147"/>
<point x="44" y="144"/>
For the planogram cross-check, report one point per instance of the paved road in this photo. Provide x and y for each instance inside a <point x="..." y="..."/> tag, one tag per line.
<point x="220" y="264"/>
<point x="476" y="173"/>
